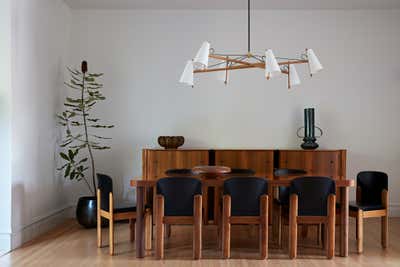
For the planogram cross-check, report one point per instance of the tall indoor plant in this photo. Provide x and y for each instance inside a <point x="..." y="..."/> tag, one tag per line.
<point x="78" y="142"/>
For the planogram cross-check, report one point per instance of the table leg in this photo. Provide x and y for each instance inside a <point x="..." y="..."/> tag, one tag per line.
<point x="344" y="221"/>
<point x="205" y="204"/>
<point x="140" y="222"/>
<point x="216" y="205"/>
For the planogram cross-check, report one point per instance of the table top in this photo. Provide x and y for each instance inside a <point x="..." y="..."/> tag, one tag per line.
<point x="218" y="182"/>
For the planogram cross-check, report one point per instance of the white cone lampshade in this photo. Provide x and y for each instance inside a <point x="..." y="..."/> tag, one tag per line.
<point x="313" y="62"/>
<point x="293" y="76"/>
<point x="187" y="75"/>
<point x="201" y="58"/>
<point x="271" y="65"/>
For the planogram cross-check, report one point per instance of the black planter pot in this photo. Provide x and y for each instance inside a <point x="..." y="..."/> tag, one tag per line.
<point x="86" y="212"/>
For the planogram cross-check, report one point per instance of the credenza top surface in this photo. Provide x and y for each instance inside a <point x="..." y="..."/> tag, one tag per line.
<point x="243" y="149"/>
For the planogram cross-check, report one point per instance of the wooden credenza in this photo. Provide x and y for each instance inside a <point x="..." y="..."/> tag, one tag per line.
<point x="331" y="163"/>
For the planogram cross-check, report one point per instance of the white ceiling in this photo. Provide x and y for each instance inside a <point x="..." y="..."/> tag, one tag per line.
<point x="233" y="4"/>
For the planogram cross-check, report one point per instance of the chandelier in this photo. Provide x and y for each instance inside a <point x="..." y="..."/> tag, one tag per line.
<point x="207" y="60"/>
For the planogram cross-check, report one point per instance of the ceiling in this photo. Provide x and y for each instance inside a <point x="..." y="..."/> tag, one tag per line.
<point x="233" y="4"/>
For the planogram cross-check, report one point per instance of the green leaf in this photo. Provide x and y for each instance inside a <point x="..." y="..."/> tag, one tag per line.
<point x="64" y="156"/>
<point x="67" y="171"/>
<point x="71" y="154"/>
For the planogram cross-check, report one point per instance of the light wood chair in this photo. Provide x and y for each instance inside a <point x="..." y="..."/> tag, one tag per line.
<point x="178" y="201"/>
<point x="245" y="201"/>
<point x="312" y="201"/>
<point x="372" y="200"/>
<point x="106" y="209"/>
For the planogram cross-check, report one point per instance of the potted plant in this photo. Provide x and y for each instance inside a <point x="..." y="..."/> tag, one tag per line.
<point x="79" y="143"/>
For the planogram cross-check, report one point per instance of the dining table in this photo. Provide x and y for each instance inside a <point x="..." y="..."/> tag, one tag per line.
<point x="342" y="185"/>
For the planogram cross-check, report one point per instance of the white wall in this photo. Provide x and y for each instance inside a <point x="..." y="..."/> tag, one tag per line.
<point x="144" y="52"/>
<point x="5" y="125"/>
<point x="40" y="40"/>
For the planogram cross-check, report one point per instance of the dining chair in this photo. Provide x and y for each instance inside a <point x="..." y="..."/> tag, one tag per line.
<point x="312" y="201"/>
<point x="281" y="201"/>
<point x="106" y="209"/>
<point x="179" y="172"/>
<point x="245" y="201"/>
<point x="178" y="201"/>
<point x="372" y="200"/>
<point x="240" y="172"/>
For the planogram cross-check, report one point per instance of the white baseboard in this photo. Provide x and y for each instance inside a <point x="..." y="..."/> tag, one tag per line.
<point x="41" y="226"/>
<point x="394" y="209"/>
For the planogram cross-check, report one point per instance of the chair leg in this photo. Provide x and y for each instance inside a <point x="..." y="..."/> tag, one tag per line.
<point x="360" y="230"/>
<point x="132" y="229"/>
<point x="148" y="231"/>
<point x="99" y="237"/>
<point x="159" y="227"/>
<point x="226" y="227"/>
<point x="385" y="231"/>
<point x="331" y="226"/>
<point x="264" y="227"/>
<point x="98" y="220"/>
<point x="197" y="233"/>
<point x="111" y="237"/>
<point x="293" y="226"/>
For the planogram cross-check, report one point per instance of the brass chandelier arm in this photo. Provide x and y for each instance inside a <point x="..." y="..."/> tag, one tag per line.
<point x="230" y="60"/>
<point x="300" y="61"/>
<point x="237" y="67"/>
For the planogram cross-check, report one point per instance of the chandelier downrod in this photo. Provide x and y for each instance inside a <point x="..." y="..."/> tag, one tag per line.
<point x="248" y="27"/>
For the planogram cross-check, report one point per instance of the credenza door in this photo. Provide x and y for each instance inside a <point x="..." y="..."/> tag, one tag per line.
<point x="261" y="161"/>
<point x="156" y="162"/>
<point x="328" y="163"/>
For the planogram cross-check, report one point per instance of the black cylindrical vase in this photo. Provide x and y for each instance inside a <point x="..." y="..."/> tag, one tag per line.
<point x="309" y="130"/>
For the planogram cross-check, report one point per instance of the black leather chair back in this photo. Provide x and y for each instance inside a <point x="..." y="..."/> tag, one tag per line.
<point x="244" y="172"/>
<point x="372" y="183"/>
<point x="105" y="184"/>
<point x="313" y="192"/>
<point x="178" y="194"/>
<point x="178" y="172"/>
<point x="284" y="192"/>
<point x="245" y="194"/>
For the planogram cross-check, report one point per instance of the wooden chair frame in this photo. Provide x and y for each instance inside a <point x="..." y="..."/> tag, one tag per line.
<point x="329" y="221"/>
<point x="360" y="215"/>
<point x="162" y="220"/>
<point x="112" y="217"/>
<point x="228" y="220"/>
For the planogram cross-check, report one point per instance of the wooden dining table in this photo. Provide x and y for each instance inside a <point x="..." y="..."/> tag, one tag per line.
<point x="143" y="185"/>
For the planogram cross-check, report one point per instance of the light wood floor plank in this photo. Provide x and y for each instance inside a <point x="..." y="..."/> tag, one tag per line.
<point x="70" y="245"/>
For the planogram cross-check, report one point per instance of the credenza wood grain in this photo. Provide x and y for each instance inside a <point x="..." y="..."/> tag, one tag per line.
<point x="331" y="163"/>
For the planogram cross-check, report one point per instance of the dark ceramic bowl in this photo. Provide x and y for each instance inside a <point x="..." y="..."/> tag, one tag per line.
<point x="171" y="142"/>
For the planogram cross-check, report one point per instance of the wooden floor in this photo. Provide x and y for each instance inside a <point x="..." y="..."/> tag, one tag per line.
<point x="70" y="245"/>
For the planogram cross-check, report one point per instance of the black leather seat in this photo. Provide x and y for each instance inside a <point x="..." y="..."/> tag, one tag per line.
<point x="105" y="184"/>
<point x="312" y="192"/>
<point x="283" y="193"/>
<point x="179" y="194"/>
<point x="371" y="184"/>
<point x="245" y="193"/>
<point x="241" y="172"/>
<point x="179" y="172"/>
